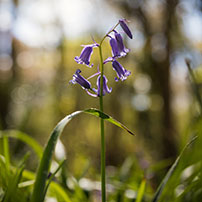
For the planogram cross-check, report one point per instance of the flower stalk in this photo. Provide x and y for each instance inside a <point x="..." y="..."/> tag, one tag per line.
<point x="118" y="51"/>
<point x="103" y="150"/>
<point x="103" y="188"/>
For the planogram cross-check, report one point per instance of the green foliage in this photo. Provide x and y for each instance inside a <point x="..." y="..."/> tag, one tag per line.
<point x="106" y="117"/>
<point x="141" y="191"/>
<point x="11" y="193"/>
<point x="24" y="138"/>
<point x="130" y="182"/>
<point x="183" y="181"/>
<point x="170" y="172"/>
<point x="16" y="182"/>
<point x="40" y="186"/>
<point x="39" y="191"/>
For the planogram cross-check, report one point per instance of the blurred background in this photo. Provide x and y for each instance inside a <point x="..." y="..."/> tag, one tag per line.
<point x="38" y="42"/>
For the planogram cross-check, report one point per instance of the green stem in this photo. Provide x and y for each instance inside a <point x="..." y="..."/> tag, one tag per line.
<point x="103" y="187"/>
<point x="103" y="183"/>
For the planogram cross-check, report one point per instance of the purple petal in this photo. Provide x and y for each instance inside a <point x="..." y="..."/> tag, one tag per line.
<point x="114" y="46"/>
<point x="122" y="50"/>
<point x="85" y="55"/>
<point x="122" y="73"/>
<point x="77" y="78"/>
<point x="105" y="87"/>
<point x="92" y="94"/>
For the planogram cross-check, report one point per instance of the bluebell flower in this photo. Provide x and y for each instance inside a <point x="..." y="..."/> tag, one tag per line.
<point x="122" y="49"/>
<point x="118" y="48"/>
<point x="122" y="73"/>
<point x="125" y="28"/>
<point x="77" y="78"/>
<point x="106" y="89"/>
<point x="86" y="53"/>
<point x="85" y="84"/>
<point x="118" y="51"/>
<point x="115" y="50"/>
<point x="114" y="46"/>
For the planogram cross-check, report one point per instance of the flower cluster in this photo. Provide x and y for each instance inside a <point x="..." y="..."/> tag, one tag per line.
<point x="118" y="51"/>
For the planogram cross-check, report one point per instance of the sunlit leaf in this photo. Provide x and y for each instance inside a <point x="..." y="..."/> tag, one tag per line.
<point x="141" y="191"/>
<point x="6" y="152"/>
<point x="170" y="172"/>
<point x="53" y="175"/>
<point x="42" y="173"/>
<point x="108" y="118"/>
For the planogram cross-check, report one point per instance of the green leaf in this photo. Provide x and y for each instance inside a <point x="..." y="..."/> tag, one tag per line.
<point x="108" y="118"/>
<point x="42" y="173"/>
<point x="55" y="189"/>
<point x="53" y="175"/>
<point x="170" y="172"/>
<point x="6" y="152"/>
<point x="14" y="180"/>
<point x="141" y="191"/>
<point x="194" y="84"/>
<point x="24" y="138"/>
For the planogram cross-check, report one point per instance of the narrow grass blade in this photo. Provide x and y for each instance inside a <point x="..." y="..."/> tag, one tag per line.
<point x="195" y="87"/>
<point x="141" y="191"/>
<point x="56" y="189"/>
<point x="6" y="152"/>
<point x="53" y="175"/>
<point x="14" y="181"/>
<point x="4" y="175"/>
<point x="24" y="138"/>
<point x="42" y="173"/>
<point x="170" y="172"/>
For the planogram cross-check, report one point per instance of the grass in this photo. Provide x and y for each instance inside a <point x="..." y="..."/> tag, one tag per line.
<point x="129" y="183"/>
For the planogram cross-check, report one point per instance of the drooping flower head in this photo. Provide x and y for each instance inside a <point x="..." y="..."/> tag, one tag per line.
<point x="125" y="28"/>
<point x="122" y="49"/>
<point x="85" y="84"/>
<point x="114" y="46"/>
<point x="86" y="53"/>
<point x="77" y="78"/>
<point x="122" y="73"/>
<point x="106" y="89"/>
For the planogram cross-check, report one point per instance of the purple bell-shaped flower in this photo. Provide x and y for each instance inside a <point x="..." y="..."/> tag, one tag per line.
<point x="121" y="48"/>
<point x="122" y="73"/>
<point x="106" y="89"/>
<point x="114" y="46"/>
<point x="77" y="78"/>
<point x="86" y="53"/>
